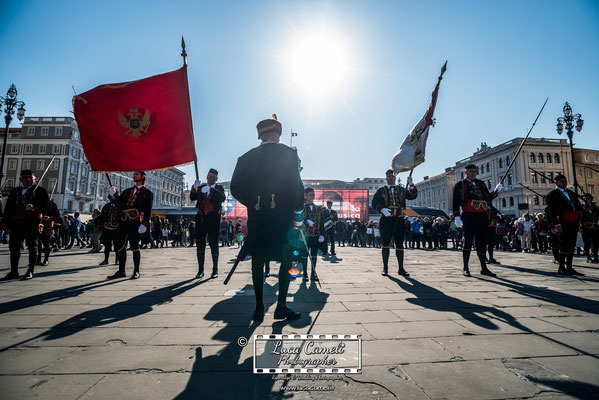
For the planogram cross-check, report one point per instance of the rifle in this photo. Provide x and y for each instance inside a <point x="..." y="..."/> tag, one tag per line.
<point x="44" y="174"/>
<point x="522" y="144"/>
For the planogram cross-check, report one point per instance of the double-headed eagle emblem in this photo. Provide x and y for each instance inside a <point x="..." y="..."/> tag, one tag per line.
<point x="133" y="122"/>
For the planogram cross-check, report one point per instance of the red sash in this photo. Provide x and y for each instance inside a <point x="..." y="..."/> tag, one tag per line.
<point x="569" y="216"/>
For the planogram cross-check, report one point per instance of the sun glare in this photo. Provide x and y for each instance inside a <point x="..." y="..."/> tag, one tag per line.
<point x="318" y="65"/>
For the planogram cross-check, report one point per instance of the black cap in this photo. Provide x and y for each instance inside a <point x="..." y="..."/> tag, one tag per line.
<point x="470" y="166"/>
<point x="213" y="171"/>
<point x="308" y="190"/>
<point x="269" y="125"/>
<point x="26" y="172"/>
<point x="559" y="177"/>
<point x="389" y="172"/>
<point x="329" y="201"/>
<point x="587" y="195"/>
<point x="143" y="173"/>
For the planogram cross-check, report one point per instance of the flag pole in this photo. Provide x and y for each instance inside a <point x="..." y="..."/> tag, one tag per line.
<point x="184" y="55"/>
<point x="522" y="144"/>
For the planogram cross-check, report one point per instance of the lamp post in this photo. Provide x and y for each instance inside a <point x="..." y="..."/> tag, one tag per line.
<point x="9" y="102"/>
<point x="569" y="119"/>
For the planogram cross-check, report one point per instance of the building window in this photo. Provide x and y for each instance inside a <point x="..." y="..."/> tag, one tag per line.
<point x="70" y="204"/>
<point x="509" y="180"/>
<point x="42" y="149"/>
<point x="556" y="158"/>
<point x="482" y="169"/>
<point x="58" y="132"/>
<point x="501" y="163"/>
<point x="83" y="187"/>
<point x="541" y="158"/>
<point x="542" y="178"/>
<point x="74" y="168"/>
<point x="489" y="184"/>
<point x="45" y="131"/>
<point x="511" y="201"/>
<point x="26" y="164"/>
<point x="550" y="176"/>
<point x="14" y="149"/>
<point x="503" y="202"/>
<point x="31" y="131"/>
<point x="589" y="173"/>
<point x="579" y="172"/>
<point x="41" y="164"/>
<point x="10" y="184"/>
<point x="533" y="177"/>
<point x="51" y="184"/>
<point x="508" y="159"/>
<point x="28" y="149"/>
<point x="535" y="200"/>
<point x="597" y="158"/>
<point x="592" y="189"/>
<point x="55" y="164"/>
<point x="55" y="149"/>
<point x="548" y="158"/>
<point x="533" y="159"/>
<point x="544" y="200"/>
<point x="586" y="157"/>
<point x="12" y="164"/>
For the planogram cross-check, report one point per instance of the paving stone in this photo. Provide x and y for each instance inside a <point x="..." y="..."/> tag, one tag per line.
<point x="63" y="387"/>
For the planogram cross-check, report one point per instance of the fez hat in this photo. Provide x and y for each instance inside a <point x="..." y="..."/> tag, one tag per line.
<point x="26" y="172"/>
<point x="213" y="171"/>
<point x="269" y="125"/>
<point x="308" y="190"/>
<point x="558" y="177"/>
<point x="389" y="172"/>
<point x="470" y="166"/>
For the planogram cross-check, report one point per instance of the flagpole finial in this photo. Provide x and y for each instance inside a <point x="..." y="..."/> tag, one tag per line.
<point x="183" y="52"/>
<point x="443" y="69"/>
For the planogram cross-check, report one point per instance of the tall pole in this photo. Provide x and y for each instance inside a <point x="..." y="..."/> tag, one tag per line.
<point x="10" y="102"/>
<point x="568" y="119"/>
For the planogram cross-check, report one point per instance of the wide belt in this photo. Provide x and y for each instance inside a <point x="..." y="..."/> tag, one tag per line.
<point x="111" y="226"/>
<point x="396" y="211"/>
<point x="569" y="216"/>
<point x="132" y="214"/>
<point x="476" y="206"/>
<point x="591" y="225"/>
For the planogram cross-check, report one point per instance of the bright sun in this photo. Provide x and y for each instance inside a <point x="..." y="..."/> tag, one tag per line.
<point x="318" y="65"/>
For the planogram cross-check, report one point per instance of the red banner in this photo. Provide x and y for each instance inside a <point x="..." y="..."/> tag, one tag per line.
<point x="349" y="204"/>
<point x="138" y="125"/>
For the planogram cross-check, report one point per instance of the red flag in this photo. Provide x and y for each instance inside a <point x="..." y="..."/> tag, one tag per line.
<point x="137" y="125"/>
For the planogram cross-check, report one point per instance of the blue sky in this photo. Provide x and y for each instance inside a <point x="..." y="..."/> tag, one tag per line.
<point x="379" y="62"/>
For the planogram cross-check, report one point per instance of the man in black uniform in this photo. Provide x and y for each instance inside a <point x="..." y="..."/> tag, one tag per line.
<point x="314" y="223"/>
<point x="390" y="201"/>
<point x="25" y="206"/>
<point x="50" y="218"/>
<point x="474" y="199"/>
<point x="210" y="197"/>
<point x="267" y="181"/>
<point x="330" y="219"/>
<point x="590" y="228"/>
<point x="564" y="210"/>
<point x="135" y="205"/>
<point x="110" y="218"/>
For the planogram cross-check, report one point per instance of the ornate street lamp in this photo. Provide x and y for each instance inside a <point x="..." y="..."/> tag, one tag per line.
<point x="9" y="102"/>
<point x="569" y="119"/>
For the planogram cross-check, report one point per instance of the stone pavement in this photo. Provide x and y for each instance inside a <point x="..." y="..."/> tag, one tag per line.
<point x="71" y="334"/>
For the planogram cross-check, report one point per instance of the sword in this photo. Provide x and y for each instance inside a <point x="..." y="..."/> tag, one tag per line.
<point x="522" y="144"/>
<point x="535" y="192"/>
<point x="44" y="174"/>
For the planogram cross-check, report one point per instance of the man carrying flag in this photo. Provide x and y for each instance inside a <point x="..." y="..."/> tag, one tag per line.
<point x="136" y="207"/>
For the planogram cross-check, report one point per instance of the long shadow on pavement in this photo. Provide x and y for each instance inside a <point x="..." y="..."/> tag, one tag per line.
<point x="120" y="311"/>
<point x="552" y="274"/>
<point x="549" y="295"/>
<point x="224" y="375"/>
